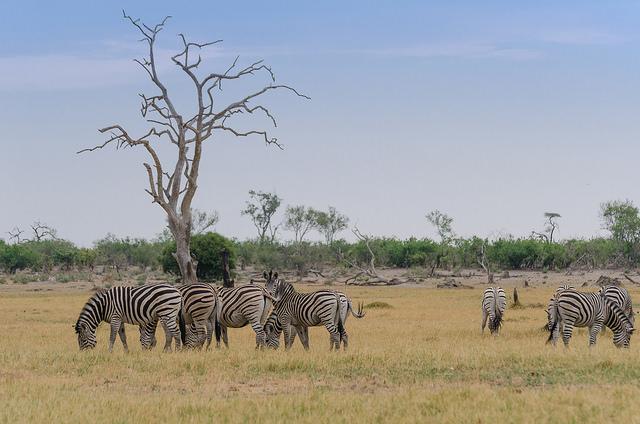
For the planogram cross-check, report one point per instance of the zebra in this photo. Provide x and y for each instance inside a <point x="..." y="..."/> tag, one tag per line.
<point x="494" y="302"/>
<point x="301" y="310"/>
<point x="239" y="306"/>
<point x="593" y="310"/>
<point x="551" y="306"/>
<point x="273" y="326"/>
<point x="143" y="305"/>
<point x="620" y="296"/>
<point x="199" y="302"/>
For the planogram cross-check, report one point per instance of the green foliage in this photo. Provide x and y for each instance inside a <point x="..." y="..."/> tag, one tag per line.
<point x="207" y="250"/>
<point x="261" y="207"/>
<point x="330" y="223"/>
<point x="125" y="252"/>
<point x="15" y="257"/>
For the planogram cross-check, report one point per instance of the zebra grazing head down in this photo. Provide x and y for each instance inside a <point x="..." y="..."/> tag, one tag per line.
<point x="494" y="302"/>
<point x="92" y="314"/>
<point x="619" y="324"/>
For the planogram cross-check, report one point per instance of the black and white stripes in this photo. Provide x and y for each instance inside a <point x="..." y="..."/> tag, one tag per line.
<point x="299" y="310"/>
<point x="144" y="306"/>
<point x="592" y="310"/>
<point x="494" y="302"/>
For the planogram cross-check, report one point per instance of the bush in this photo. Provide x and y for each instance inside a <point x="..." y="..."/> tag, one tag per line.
<point x="15" y="257"/>
<point x="207" y="250"/>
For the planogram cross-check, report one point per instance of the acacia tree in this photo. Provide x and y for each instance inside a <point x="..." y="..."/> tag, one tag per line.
<point x="261" y="207"/>
<point x="442" y="222"/>
<point x="330" y="223"/>
<point x="173" y="184"/>
<point x="550" y="226"/>
<point x="300" y="220"/>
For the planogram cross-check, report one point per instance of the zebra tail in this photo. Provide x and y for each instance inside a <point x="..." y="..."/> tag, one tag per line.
<point x="497" y="313"/>
<point x="555" y="319"/>
<point x="183" y="327"/>
<point x="218" y="330"/>
<point x="360" y="314"/>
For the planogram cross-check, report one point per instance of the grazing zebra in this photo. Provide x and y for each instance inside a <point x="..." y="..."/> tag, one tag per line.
<point x="143" y="305"/>
<point x="494" y="302"/>
<point x="199" y="302"/>
<point x="620" y="296"/>
<point x="273" y="326"/>
<point x="198" y="305"/>
<point x="593" y="310"/>
<point x="239" y="306"/>
<point x="301" y="310"/>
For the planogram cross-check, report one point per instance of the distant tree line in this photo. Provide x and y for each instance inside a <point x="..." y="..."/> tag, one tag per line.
<point x="620" y="250"/>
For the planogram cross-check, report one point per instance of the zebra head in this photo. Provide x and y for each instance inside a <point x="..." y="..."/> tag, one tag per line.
<point x="272" y="330"/>
<point x="86" y="335"/>
<point x="620" y="325"/>
<point x="272" y="281"/>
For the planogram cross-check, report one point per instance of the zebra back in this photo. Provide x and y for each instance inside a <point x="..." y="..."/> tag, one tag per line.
<point x="494" y="302"/>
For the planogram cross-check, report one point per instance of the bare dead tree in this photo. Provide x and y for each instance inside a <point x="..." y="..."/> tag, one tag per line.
<point x="173" y="186"/>
<point x="370" y="270"/>
<point x="15" y="235"/>
<point x="484" y="263"/>
<point x="41" y="231"/>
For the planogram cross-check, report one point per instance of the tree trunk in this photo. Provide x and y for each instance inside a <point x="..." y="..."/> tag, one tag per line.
<point x="226" y="275"/>
<point x="186" y="263"/>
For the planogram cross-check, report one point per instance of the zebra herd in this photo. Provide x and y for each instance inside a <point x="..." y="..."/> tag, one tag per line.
<point x="610" y="307"/>
<point x="192" y="314"/>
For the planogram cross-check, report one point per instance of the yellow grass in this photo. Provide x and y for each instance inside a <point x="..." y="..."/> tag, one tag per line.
<point x="424" y="359"/>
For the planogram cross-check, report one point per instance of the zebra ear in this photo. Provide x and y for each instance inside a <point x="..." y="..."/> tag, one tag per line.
<point x="275" y="275"/>
<point x="264" y="274"/>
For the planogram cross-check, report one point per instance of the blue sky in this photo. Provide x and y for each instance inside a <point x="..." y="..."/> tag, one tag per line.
<point x="493" y="112"/>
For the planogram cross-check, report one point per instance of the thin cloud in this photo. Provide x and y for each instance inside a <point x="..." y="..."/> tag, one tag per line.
<point x="581" y="37"/>
<point x="455" y="50"/>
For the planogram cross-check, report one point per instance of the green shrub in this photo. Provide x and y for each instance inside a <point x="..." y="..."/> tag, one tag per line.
<point x="207" y="250"/>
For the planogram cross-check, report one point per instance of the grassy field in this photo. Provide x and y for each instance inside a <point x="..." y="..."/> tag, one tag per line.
<point x="422" y="359"/>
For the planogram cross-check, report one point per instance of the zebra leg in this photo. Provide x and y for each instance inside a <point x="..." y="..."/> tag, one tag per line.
<point x="116" y="322"/>
<point x="334" y="336"/>
<point x="209" y="326"/>
<point x="345" y="339"/>
<point x="303" y="332"/>
<point x="593" y="333"/>
<point x="225" y="337"/>
<point x="261" y="337"/>
<point x="123" y="338"/>
<point x="171" y="332"/>
<point x="484" y="319"/>
<point x="286" y="330"/>
<point x="566" y="333"/>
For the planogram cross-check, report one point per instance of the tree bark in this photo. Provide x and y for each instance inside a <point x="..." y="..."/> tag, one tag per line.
<point x="226" y="275"/>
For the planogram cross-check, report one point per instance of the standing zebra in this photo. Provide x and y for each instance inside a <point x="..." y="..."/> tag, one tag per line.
<point x="301" y="310"/>
<point x="273" y="327"/>
<point x="494" y="302"/>
<point x="239" y="306"/>
<point x="593" y="310"/>
<point x="143" y="305"/>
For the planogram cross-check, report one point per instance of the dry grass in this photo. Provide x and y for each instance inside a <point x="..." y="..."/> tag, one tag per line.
<point x="422" y="360"/>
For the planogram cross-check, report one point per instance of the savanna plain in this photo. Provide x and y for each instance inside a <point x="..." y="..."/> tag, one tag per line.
<point x="417" y="356"/>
